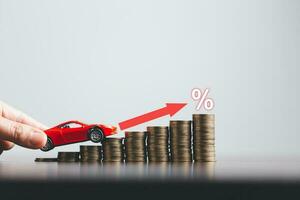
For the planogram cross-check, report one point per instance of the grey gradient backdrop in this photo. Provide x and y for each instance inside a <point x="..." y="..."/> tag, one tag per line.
<point x="106" y="61"/>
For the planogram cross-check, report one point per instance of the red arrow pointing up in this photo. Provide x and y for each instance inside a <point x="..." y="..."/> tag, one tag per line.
<point x="170" y="109"/>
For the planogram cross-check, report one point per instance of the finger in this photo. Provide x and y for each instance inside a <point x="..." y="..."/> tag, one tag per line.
<point x="18" y="116"/>
<point x="6" y="145"/>
<point x="1" y="150"/>
<point x="22" y="134"/>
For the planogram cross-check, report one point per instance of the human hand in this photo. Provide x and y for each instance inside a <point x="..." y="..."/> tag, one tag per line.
<point x="18" y="128"/>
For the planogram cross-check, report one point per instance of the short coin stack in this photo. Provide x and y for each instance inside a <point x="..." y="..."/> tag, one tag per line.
<point x="180" y="141"/>
<point x="68" y="156"/>
<point x="113" y="150"/>
<point x="204" y="137"/>
<point x="45" y="160"/>
<point x="89" y="153"/>
<point x="158" y="143"/>
<point x="135" y="146"/>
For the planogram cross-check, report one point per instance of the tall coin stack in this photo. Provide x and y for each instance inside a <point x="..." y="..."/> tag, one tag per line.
<point x="204" y="137"/>
<point x="68" y="156"/>
<point x="180" y="141"/>
<point x="158" y="143"/>
<point x="113" y="150"/>
<point x="90" y="153"/>
<point x="135" y="146"/>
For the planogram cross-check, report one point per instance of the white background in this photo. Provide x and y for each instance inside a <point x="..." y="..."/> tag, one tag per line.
<point x="107" y="61"/>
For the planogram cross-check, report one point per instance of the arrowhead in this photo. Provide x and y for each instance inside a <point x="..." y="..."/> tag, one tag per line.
<point x="173" y="108"/>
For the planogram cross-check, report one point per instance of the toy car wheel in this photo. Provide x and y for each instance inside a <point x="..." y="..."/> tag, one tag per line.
<point x="96" y="135"/>
<point x="49" y="145"/>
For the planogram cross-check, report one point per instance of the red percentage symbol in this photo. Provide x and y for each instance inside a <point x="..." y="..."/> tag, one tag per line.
<point x="203" y="100"/>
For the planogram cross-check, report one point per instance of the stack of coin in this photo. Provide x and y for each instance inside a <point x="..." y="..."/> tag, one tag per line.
<point x="204" y="137"/>
<point x="45" y="160"/>
<point x="90" y="153"/>
<point x="68" y="156"/>
<point x="180" y="141"/>
<point x="135" y="146"/>
<point x="113" y="150"/>
<point x="158" y="143"/>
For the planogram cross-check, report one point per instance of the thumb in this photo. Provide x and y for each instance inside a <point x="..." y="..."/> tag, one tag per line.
<point x="22" y="134"/>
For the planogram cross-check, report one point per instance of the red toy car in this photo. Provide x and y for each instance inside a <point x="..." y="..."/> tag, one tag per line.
<point x="75" y="131"/>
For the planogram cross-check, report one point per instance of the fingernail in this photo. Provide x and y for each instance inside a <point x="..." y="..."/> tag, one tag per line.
<point x="38" y="139"/>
